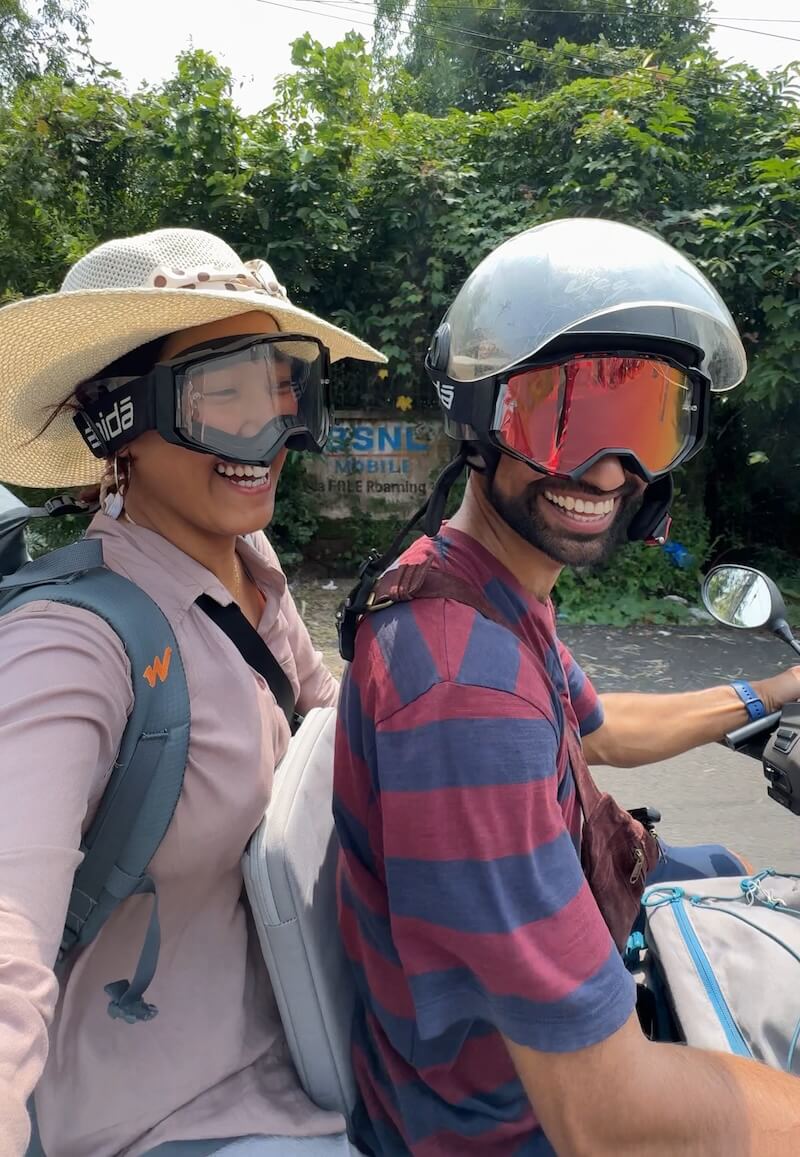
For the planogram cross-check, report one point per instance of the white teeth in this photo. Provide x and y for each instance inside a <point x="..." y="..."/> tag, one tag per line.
<point x="244" y="476"/>
<point x="583" y="506"/>
<point x="230" y="471"/>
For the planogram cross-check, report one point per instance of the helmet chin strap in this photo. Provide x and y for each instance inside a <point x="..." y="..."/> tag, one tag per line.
<point x="652" y="520"/>
<point x="479" y="457"/>
<point x="437" y="503"/>
<point x="429" y="516"/>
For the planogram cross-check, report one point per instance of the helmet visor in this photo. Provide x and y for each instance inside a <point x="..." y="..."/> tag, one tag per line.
<point x="586" y="275"/>
<point x="561" y="417"/>
<point x="244" y="404"/>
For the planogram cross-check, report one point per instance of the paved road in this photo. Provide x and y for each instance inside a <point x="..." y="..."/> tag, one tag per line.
<point x="712" y="794"/>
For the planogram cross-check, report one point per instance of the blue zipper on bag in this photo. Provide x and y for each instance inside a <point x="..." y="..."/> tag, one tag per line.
<point x="701" y="962"/>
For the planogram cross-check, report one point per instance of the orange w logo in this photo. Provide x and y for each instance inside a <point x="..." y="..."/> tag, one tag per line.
<point x="159" y="668"/>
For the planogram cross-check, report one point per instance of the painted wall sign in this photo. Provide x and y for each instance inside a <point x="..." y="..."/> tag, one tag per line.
<point x="378" y="463"/>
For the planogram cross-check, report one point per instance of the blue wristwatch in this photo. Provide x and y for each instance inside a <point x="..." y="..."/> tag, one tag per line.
<point x="755" y="707"/>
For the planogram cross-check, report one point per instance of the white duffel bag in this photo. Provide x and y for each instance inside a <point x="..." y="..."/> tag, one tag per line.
<point x="290" y="875"/>
<point x="728" y="954"/>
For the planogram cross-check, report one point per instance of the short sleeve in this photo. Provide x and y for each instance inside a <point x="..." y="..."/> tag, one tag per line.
<point x="490" y="912"/>
<point x="585" y="700"/>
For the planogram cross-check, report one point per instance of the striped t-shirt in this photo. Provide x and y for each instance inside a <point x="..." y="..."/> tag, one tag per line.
<point x="463" y="906"/>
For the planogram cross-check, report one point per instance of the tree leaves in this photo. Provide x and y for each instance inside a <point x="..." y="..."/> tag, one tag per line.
<point x="373" y="212"/>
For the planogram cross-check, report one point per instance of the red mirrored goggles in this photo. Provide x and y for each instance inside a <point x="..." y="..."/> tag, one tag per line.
<point x="562" y="417"/>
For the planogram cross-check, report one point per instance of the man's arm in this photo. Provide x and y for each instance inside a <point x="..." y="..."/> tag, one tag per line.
<point x="640" y="729"/>
<point x="628" y="1097"/>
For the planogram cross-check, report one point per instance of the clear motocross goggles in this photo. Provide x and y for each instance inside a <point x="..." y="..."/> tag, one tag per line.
<point x="242" y="399"/>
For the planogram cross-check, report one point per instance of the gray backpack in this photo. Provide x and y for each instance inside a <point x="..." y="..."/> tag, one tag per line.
<point x="727" y="951"/>
<point x="145" y="783"/>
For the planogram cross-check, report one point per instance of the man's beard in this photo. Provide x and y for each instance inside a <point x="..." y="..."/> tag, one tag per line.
<point x="523" y="514"/>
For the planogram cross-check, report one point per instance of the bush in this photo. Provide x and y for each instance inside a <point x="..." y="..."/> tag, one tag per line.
<point x="296" y="518"/>
<point x="46" y="534"/>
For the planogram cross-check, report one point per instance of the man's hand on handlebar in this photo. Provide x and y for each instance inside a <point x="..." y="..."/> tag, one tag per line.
<point x="779" y="690"/>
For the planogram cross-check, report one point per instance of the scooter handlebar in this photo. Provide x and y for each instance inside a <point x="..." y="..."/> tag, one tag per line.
<point x="736" y="739"/>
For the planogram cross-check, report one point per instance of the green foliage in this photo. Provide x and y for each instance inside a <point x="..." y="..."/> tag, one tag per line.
<point x="296" y="519"/>
<point x="470" y="56"/>
<point x="373" y="212"/>
<point x="45" y="534"/>
<point x="631" y="588"/>
<point x="39" y="38"/>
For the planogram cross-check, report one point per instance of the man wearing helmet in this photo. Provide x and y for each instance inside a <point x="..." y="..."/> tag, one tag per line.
<point x="495" y="1015"/>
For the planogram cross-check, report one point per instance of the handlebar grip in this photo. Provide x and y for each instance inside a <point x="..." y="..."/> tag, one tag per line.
<point x="742" y="735"/>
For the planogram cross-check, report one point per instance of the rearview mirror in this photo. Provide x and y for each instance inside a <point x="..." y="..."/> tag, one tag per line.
<point x="742" y="597"/>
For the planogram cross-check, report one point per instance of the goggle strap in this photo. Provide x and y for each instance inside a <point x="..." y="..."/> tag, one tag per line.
<point x="112" y="420"/>
<point x="652" y="520"/>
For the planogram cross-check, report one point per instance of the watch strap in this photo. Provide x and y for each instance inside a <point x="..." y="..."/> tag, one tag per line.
<point x="750" y="698"/>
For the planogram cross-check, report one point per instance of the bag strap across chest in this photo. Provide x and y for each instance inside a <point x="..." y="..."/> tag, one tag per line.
<point x="410" y="581"/>
<point x="617" y="851"/>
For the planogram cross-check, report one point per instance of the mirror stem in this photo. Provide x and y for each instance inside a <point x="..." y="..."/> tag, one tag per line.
<point x="784" y="632"/>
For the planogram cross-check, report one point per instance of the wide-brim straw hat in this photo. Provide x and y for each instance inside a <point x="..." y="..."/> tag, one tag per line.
<point x="119" y="296"/>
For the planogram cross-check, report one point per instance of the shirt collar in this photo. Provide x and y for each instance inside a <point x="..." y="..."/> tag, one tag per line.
<point x="161" y="568"/>
<point x="474" y="562"/>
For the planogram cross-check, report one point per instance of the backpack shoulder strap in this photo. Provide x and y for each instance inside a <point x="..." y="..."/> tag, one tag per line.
<point x="409" y="581"/>
<point x="425" y="581"/>
<point x="60" y="566"/>
<point x="145" y="783"/>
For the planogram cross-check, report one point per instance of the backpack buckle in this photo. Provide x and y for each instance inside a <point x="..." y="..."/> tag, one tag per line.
<point x="61" y="504"/>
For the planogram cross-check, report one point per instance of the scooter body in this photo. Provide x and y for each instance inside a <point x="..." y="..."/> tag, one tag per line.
<point x="745" y="599"/>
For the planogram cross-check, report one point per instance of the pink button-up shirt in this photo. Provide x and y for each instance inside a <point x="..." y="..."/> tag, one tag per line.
<point x="214" y="1062"/>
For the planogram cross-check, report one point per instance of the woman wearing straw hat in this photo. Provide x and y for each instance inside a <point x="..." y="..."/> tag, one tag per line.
<point x="175" y="376"/>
